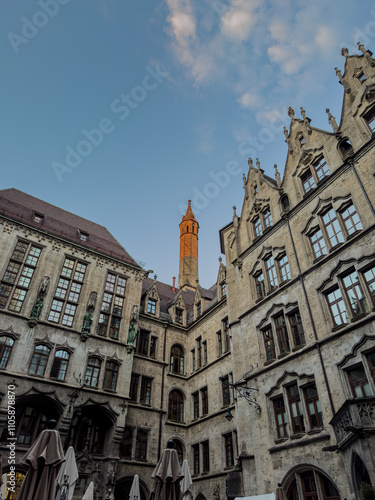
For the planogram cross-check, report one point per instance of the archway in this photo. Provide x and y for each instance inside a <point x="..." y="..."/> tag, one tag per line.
<point x="123" y="486"/>
<point x="309" y="483"/>
<point x="359" y="473"/>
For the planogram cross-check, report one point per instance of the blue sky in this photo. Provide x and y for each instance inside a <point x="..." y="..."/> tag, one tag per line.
<point x="122" y="110"/>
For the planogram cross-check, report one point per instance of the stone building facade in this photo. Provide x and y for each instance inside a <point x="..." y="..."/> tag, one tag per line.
<point x="264" y="380"/>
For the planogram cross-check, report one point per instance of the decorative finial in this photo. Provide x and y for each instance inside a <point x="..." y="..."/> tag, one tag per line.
<point x="286" y="133"/>
<point x="258" y="163"/>
<point x="366" y="53"/>
<point x="306" y="121"/>
<point x="234" y="211"/>
<point x="291" y="112"/>
<point x="250" y="162"/>
<point x="344" y="52"/>
<point x="342" y="81"/>
<point x="155" y="277"/>
<point x="220" y="260"/>
<point x="277" y="176"/>
<point x="244" y="180"/>
<point x="332" y="121"/>
<point x="303" y="113"/>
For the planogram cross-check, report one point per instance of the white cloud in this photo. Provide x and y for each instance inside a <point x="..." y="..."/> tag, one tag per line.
<point x="182" y="21"/>
<point x="206" y="138"/>
<point x="249" y="100"/>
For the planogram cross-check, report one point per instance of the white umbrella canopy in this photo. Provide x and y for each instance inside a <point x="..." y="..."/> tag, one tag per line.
<point x="135" y="493"/>
<point x="67" y="476"/>
<point x="89" y="495"/>
<point x="187" y="482"/>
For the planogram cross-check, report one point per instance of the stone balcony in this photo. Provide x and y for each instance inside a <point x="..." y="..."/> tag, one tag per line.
<point x="355" y="419"/>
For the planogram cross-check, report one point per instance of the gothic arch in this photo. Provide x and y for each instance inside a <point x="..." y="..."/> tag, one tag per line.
<point x="123" y="486"/>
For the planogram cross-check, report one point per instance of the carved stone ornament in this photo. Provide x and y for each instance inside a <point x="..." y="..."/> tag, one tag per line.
<point x="39" y="301"/>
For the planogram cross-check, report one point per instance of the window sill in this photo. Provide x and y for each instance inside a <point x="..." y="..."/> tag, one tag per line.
<point x="338" y="327"/>
<point x="318" y="259"/>
<point x="298" y="435"/>
<point x="281" y="440"/>
<point x="268" y="362"/>
<point x="297" y="348"/>
<point x="353" y="235"/>
<point x="357" y="318"/>
<point x="283" y="355"/>
<point x="332" y="249"/>
<point x="271" y="291"/>
<point x="316" y="430"/>
<point x="110" y="391"/>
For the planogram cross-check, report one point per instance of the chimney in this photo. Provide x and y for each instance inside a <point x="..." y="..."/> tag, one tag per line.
<point x="174" y="284"/>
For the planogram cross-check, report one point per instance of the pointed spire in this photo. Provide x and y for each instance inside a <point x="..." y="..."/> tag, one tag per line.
<point x="277" y="176"/>
<point x="244" y="180"/>
<point x="250" y="163"/>
<point x="220" y="260"/>
<point x="287" y="140"/>
<point x="291" y="112"/>
<point x="235" y="217"/>
<point x="155" y="277"/>
<point x="342" y="81"/>
<point x="189" y="213"/>
<point x="258" y="164"/>
<point x="286" y="133"/>
<point x="332" y="121"/>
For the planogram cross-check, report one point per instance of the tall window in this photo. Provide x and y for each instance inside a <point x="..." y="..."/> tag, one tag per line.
<point x="260" y="286"/>
<point x="318" y="244"/>
<point x="269" y="344"/>
<point x="280" y="417"/>
<point x="179" y="315"/>
<point x="332" y="227"/>
<point x="308" y="181"/>
<point x="297" y="329"/>
<point x="142" y="342"/>
<point x="295" y="409"/>
<point x="193" y="359"/>
<point x="39" y="360"/>
<point x="223" y="287"/>
<point x="257" y="225"/>
<point x="351" y="219"/>
<point x="177" y="360"/>
<point x="6" y="346"/>
<point x="199" y="353"/>
<point x="358" y="382"/>
<point x="176" y="406"/>
<point x="126" y="444"/>
<point x="205" y="457"/>
<point x="93" y="372"/>
<point x="314" y="409"/>
<point x="141" y="445"/>
<point x="64" y="304"/>
<point x="228" y="447"/>
<point x="110" y="375"/>
<point x="219" y="343"/>
<point x="321" y="168"/>
<point x="225" y="391"/>
<point x="112" y="306"/>
<point x="204" y="343"/>
<point x="267" y="218"/>
<point x="195" y="405"/>
<point x="18" y="275"/>
<point x="369" y="277"/>
<point x="204" y="396"/>
<point x="284" y="268"/>
<point x="271" y="273"/>
<point x="151" y="306"/>
<point x="282" y="334"/>
<point x="226" y="334"/>
<point x="337" y="307"/>
<point x="153" y="344"/>
<point x="145" y="397"/>
<point x="354" y="294"/>
<point x="133" y="391"/>
<point x="196" y="458"/>
<point x="198" y="306"/>
<point x="60" y="364"/>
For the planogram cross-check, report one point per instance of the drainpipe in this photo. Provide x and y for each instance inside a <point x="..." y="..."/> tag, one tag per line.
<point x="162" y="390"/>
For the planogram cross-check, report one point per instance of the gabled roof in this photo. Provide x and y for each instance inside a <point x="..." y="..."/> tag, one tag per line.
<point x="21" y="207"/>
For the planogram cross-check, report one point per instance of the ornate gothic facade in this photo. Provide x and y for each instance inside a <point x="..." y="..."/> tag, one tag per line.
<point x="265" y="380"/>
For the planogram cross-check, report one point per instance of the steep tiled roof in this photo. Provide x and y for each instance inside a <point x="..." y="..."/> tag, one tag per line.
<point x="20" y="206"/>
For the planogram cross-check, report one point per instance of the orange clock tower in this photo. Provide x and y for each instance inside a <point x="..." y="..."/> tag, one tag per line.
<point x="188" y="274"/>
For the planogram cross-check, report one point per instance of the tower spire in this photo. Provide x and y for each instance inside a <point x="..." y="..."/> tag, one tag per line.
<point x="188" y="273"/>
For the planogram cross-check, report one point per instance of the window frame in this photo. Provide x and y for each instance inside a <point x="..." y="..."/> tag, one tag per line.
<point x="39" y="357"/>
<point x="112" y="306"/>
<point x="228" y="450"/>
<point x="57" y="365"/>
<point x="5" y="350"/>
<point x="95" y="372"/>
<point x="111" y="373"/>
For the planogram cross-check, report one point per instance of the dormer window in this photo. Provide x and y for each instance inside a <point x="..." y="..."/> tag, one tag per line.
<point x="82" y="235"/>
<point x="223" y="287"/>
<point x="179" y="316"/>
<point x="151" y="306"/>
<point x="37" y="217"/>
<point x="198" y="306"/>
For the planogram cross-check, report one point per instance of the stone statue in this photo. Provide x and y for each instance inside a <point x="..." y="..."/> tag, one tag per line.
<point x="132" y="334"/>
<point x="87" y="320"/>
<point x="109" y="495"/>
<point x="37" y="308"/>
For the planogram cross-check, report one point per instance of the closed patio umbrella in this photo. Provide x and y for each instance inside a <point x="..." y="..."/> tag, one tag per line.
<point x="3" y="487"/>
<point x="67" y="476"/>
<point x="167" y="476"/>
<point x="187" y="482"/>
<point x="44" y="459"/>
<point x="89" y="495"/>
<point x="135" y="493"/>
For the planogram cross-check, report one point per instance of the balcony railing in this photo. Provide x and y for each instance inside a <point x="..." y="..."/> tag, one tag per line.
<point x="353" y="420"/>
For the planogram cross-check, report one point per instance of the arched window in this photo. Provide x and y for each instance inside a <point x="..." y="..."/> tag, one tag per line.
<point x="345" y="148"/>
<point x="93" y="372"/>
<point x="92" y="425"/>
<point x="110" y="375"/>
<point x="309" y="484"/>
<point x="60" y="364"/>
<point x="6" y="346"/>
<point x="177" y="360"/>
<point x="32" y="414"/>
<point x="176" y="406"/>
<point x="39" y="360"/>
<point x="180" y="451"/>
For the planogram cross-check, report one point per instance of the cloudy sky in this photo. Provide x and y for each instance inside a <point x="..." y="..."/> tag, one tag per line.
<point x="122" y="110"/>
